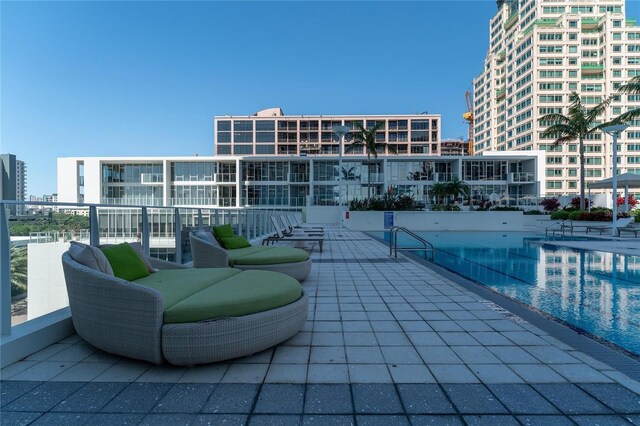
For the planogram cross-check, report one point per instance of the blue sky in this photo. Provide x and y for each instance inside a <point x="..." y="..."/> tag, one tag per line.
<point x="147" y="78"/>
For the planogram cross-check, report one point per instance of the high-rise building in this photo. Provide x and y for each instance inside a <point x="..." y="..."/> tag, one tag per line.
<point x="13" y="181"/>
<point x="540" y="51"/>
<point x="270" y="132"/>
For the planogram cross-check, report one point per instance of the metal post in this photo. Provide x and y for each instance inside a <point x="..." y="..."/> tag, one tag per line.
<point x="614" y="130"/>
<point x="94" y="227"/>
<point x="5" y="272"/>
<point x="145" y="232"/>
<point x="340" y="131"/>
<point x="615" y="184"/>
<point x="178" y="235"/>
<point x="199" y="219"/>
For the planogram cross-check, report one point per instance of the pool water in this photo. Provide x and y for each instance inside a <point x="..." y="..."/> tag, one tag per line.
<point x="595" y="291"/>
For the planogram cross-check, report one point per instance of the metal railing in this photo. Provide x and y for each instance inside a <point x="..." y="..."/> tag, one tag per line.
<point x="162" y="230"/>
<point x="427" y="247"/>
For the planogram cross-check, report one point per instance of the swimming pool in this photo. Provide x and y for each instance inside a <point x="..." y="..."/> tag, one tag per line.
<point x="595" y="291"/>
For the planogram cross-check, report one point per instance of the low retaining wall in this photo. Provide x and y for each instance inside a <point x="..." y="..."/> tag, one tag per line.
<point x="436" y="221"/>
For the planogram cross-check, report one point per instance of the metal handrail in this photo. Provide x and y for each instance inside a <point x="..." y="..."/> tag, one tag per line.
<point x="393" y="242"/>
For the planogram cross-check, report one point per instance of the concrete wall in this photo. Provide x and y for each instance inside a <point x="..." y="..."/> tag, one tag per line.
<point x="439" y="221"/>
<point x="46" y="289"/>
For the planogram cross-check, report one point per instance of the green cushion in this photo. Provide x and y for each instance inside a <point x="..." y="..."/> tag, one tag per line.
<point x="234" y="242"/>
<point x="125" y="262"/>
<point x="270" y="256"/>
<point x="246" y="293"/>
<point x="223" y="231"/>
<point x="178" y="284"/>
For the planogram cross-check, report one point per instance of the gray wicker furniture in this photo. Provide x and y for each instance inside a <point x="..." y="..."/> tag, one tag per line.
<point x="206" y="252"/>
<point x="126" y="318"/>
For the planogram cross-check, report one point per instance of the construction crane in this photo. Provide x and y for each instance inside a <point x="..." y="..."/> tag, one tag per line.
<point x="468" y="116"/>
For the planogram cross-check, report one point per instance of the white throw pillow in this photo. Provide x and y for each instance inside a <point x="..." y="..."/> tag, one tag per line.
<point x="89" y="256"/>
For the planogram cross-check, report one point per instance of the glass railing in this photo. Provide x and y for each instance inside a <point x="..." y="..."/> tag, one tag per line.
<point x="32" y="285"/>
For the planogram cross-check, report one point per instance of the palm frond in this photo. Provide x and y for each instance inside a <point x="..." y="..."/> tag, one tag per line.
<point x="631" y="87"/>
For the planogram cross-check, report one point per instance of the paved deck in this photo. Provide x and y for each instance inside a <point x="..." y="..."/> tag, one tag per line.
<point x="387" y="342"/>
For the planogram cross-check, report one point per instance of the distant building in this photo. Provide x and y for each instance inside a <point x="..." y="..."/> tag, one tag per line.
<point x="541" y="51"/>
<point x="270" y="132"/>
<point x="454" y="147"/>
<point x="13" y="181"/>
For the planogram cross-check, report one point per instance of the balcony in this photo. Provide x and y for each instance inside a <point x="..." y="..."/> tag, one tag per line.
<point x="589" y="23"/>
<point x="151" y="178"/>
<point x="193" y="201"/>
<point x="592" y="68"/>
<point x="520" y="177"/>
<point x="298" y="177"/>
<point x="510" y="22"/>
<point x="500" y="93"/>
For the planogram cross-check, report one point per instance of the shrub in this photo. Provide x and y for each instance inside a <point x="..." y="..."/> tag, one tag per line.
<point x="575" y="202"/>
<point x="533" y="212"/>
<point x="550" y="204"/>
<point x="560" y="215"/>
<point x="632" y="201"/>
<point x="575" y="215"/>
<point x="388" y="201"/>
<point x="635" y="214"/>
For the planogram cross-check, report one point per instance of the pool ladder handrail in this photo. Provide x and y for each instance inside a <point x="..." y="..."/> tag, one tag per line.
<point x="393" y="242"/>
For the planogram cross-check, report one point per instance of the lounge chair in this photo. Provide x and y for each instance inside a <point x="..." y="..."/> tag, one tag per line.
<point x="631" y="227"/>
<point x="207" y="252"/>
<point x="289" y="229"/>
<point x="279" y="236"/>
<point x="293" y="220"/>
<point x="622" y="223"/>
<point x="181" y="316"/>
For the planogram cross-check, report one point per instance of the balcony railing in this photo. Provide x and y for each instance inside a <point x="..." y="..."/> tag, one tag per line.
<point x="151" y="178"/>
<point x="521" y="177"/>
<point x="33" y="295"/>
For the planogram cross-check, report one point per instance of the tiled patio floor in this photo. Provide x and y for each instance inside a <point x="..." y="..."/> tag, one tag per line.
<point x="387" y="342"/>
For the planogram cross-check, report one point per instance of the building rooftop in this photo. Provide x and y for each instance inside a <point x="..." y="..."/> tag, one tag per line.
<point x="388" y="341"/>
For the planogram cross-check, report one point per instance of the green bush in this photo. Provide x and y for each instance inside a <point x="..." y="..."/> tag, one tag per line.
<point x="635" y="213"/>
<point x="576" y="214"/>
<point x="560" y="215"/>
<point x="534" y="212"/>
<point x="388" y="201"/>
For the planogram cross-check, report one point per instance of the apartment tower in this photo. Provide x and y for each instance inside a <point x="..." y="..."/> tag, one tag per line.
<point x="13" y="181"/>
<point x="539" y="52"/>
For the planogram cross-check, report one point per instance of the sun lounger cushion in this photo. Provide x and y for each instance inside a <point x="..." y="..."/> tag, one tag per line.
<point x="125" y="262"/>
<point x="175" y="285"/>
<point x="235" y="242"/>
<point x="247" y="292"/>
<point x="265" y="255"/>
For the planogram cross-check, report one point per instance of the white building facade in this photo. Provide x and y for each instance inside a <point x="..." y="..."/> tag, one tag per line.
<point x="290" y="181"/>
<point x="542" y="50"/>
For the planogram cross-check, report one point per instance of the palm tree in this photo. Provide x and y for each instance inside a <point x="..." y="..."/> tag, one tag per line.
<point x="578" y="124"/>
<point x="18" y="270"/>
<point x="631" y="88"/>
<point x="456" y="187"/>
<point x="366" y="138"/>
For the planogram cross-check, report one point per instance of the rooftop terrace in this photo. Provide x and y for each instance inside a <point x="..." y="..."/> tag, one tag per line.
<point x="388" y="341"/>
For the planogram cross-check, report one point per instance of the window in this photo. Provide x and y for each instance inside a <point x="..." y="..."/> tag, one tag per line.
<point x="573" y="74"/>
<point x="593" y="161"/>
<point x="573" y="36"/>
<point x="573" y="49"/>
<point x="617" y="73"/>
<point x="581" y="9"/>
<point x="573" y="86"/>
